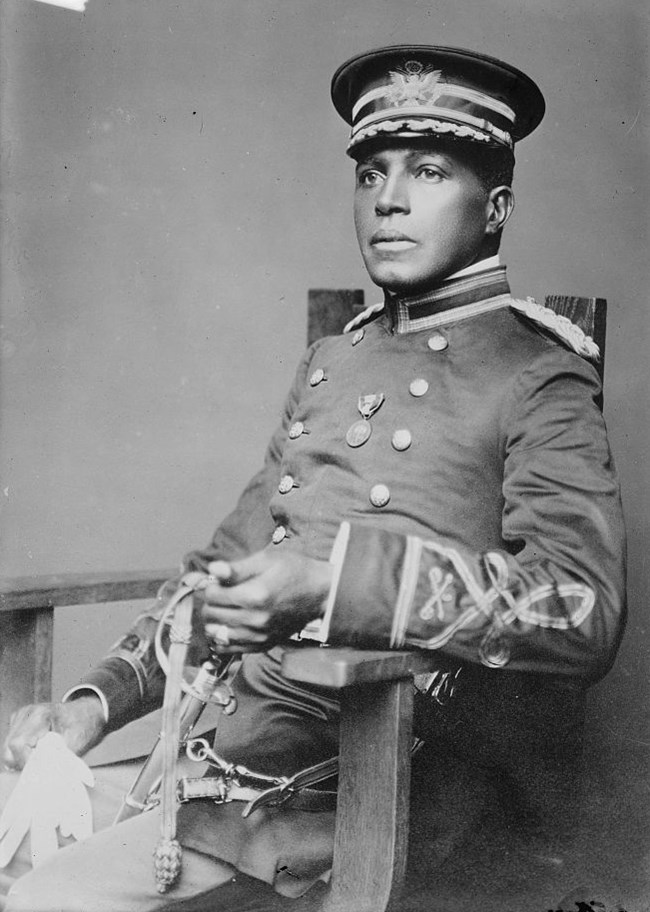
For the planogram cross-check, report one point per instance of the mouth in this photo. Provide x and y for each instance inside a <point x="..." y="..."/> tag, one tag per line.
<point x="391" y="241"/>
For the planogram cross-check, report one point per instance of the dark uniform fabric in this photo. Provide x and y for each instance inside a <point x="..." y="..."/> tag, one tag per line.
<point x="480" y="518"/>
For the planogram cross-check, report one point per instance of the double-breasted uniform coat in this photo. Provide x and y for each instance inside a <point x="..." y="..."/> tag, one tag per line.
<point x="449" y="456"/>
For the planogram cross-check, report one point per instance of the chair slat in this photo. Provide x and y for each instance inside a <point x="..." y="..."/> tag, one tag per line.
<point x="329" y="309"/>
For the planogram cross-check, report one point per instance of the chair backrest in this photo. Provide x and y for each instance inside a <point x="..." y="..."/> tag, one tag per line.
<point x="329" y="309"/>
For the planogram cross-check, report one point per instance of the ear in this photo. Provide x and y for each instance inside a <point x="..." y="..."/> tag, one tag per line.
<point x="500" y="204"/>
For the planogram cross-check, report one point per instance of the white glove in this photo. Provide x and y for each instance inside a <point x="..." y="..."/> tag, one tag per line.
<point x="51" y="793"/>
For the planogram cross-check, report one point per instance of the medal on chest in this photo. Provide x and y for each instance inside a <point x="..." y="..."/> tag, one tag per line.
<point x="359" y="432"/>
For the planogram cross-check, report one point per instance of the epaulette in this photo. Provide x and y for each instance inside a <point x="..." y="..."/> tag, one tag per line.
<point x="364" y="316"/>
<point x="559" y="326"/>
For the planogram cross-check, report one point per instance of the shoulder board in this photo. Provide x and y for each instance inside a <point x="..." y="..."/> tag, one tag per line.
<point x="560" y="327"/>
<point x="364" y="316"/>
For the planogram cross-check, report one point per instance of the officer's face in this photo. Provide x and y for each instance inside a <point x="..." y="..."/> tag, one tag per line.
<point x="421" y="214"/>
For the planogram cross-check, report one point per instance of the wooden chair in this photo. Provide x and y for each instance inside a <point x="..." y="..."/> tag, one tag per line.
<point x="376" y="688"/>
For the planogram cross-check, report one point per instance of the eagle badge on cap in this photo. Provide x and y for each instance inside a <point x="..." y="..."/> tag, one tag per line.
<point x="416" y="84"/>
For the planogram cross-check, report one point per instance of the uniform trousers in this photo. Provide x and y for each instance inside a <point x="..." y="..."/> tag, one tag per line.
<point x="503" y="732"/>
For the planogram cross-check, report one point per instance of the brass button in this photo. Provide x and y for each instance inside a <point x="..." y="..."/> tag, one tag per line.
<point x="296" y="430"/>
<point x="418" y="387"/>
<point x="317" y="377"/>
<point x="286" y="484"/>
<point x="379" y="495"/>
<point x="358" y="336"/>
<point x="279" y="534"/>
<point x="437" y="342"/>
<point x="402" y="439"/>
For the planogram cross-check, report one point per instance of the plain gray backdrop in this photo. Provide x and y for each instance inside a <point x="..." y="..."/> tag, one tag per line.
<point x="174" y="180"/>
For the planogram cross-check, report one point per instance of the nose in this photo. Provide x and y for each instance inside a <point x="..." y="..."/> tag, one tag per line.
<point x="393" y="195"/>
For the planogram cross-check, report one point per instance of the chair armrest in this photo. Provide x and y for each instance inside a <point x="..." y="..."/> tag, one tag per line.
<point x="29" y="592"/>
<point x="345" y="667"/>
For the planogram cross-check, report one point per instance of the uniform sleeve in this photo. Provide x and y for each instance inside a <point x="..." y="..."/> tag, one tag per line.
<point x="129" y="680"/>
<point x="552" y="598"/>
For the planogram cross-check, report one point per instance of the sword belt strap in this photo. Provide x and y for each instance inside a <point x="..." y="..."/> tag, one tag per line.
<point x="220" y="791"/>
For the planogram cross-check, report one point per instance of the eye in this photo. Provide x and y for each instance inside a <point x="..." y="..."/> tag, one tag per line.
<point x="369" y="177"/>
<point x="430" y="173"/>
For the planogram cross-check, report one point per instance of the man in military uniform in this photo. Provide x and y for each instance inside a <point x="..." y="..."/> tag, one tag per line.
<point x="440" y="480"/>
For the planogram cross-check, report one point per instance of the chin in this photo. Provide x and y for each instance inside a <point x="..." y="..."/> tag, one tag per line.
<point x="404" y="281"/>
<point x="393" y="280"/>
<point x="408" y="286"/>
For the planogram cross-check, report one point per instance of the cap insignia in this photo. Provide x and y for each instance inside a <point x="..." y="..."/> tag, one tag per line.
<point x="414" y="84"/>
<point x="559" y="326"/>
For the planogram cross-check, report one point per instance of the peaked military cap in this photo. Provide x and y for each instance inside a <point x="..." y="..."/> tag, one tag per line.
<point x="422" y="90"/>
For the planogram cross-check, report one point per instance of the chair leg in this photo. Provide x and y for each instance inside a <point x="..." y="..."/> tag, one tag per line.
<point x="371" y="837"/>
<point x="25" y="660"/>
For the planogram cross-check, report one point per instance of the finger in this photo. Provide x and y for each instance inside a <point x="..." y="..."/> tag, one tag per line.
<point x="243" y="648"/>
<point x="240" y="570"/>
<point x="230" y="650"/>
<point x="9" y="761"/>
<point x="218" y="595"/>
<point x="28" y="725"/>
<point x="221" y="571"/>
<point x="253" y="618"/>
<point x="32" y="716"/>
<point x="17" y="753"/>
<point x="251" y="593"/>
<point x="228" y="637"/>
<point x="9" y="758"/>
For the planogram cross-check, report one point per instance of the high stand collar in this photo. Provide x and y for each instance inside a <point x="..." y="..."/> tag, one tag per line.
<point x="465" y="294"/>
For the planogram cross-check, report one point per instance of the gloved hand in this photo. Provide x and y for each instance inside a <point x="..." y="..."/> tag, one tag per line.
<point x="51" y="794"/>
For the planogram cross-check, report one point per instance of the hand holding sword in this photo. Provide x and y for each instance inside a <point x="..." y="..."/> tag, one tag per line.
<point x="249" y="605"/>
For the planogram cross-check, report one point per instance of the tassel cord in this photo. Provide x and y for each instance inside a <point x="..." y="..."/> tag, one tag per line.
<point x="180" y="635"/>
